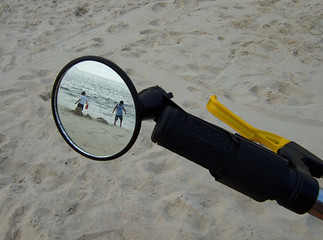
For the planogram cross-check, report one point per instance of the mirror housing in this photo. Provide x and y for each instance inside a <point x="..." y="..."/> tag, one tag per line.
<point x="153" y="101"/>
<point x="61" y="117"/>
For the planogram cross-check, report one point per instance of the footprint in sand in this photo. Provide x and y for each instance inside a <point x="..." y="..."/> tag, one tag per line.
<point x="93" y="43"/>
<point x="11" y="65"/>
<point x="35" y="74"/>
<point x="159" y="7"/>
<point x="109" y="234"/>
<point x="205" y="69"/>
<point x="14" y="231"/>
<point x="118" y="28"/>
<point x="159" y="164"/>
<point x="9" y="92"/>
<point x="283" y="93"/>
<point x="197" y="90"/>
<point x="188" y="3"/>
<point x="156" y="22"/>
<point x="179" y="209"/>
<point x="46" y="95"/>
<point x="80" y="11"/>
<point x="191" y="104"/>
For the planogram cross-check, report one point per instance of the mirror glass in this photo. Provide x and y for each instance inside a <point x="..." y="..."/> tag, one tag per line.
<point x="95" y="109"/>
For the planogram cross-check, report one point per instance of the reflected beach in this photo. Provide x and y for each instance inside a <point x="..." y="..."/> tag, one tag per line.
<point x="94" y="135"/>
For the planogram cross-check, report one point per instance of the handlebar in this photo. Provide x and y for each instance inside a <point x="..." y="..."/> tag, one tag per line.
<point x="237" y="162"/>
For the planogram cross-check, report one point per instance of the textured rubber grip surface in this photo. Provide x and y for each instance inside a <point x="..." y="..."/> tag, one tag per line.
<point x="195" y="139"/>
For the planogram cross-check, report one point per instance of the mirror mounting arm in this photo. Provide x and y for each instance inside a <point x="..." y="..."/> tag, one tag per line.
<point x="153" y="101"/>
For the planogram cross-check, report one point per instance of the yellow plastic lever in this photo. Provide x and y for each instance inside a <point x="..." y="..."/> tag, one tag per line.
<point x="270" y="140"/>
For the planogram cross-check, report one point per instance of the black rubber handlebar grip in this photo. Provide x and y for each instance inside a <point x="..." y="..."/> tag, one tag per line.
<point x="235" y="161"/>
<point x="195" y="139"/>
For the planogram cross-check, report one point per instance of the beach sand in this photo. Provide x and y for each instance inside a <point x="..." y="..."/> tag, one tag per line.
<point x="263" y="60"/>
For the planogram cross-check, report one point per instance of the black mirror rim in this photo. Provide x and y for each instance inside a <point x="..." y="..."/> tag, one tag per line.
<point x="131" y="88"/>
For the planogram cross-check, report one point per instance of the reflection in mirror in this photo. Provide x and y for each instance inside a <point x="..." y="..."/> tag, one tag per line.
<point x="88" y="119"/>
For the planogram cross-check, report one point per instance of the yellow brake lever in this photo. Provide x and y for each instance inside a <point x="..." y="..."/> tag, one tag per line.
<point x="268" y="139"/>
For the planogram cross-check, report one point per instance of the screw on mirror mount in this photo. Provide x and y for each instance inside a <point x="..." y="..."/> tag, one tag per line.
<point x="153" y="101"/>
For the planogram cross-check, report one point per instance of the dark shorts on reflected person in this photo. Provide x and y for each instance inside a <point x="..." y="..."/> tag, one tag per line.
<point x="119" y="116"/>
<point x="80" y="105"/>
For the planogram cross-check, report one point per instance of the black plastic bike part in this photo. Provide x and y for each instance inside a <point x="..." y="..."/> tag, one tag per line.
<point x="153" y="100"/>
<point x="131" y="88"/>
<point x="302" y="159"/>
<point x="195" y="139"/>
<point x="235" y="161"/>
<point x="258" y="170"/>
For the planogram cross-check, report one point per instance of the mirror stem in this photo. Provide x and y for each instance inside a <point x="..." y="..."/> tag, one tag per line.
<point x="153" y="101"/>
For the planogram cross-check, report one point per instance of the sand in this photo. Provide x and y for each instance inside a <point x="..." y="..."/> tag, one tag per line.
<point x="263" y="60"/>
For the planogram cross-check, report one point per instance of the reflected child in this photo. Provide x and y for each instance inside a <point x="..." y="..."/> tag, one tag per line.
<point x="119" y="114"/>
<point x="80" y="103"/>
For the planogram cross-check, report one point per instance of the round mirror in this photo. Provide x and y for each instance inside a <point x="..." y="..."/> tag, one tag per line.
<point x="95" y="108"/>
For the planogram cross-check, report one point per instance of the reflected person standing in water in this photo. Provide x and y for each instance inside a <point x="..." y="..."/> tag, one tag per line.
<point x="119" y="107"/>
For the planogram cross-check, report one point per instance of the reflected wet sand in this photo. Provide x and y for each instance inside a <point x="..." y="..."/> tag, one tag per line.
<point x="95" y="136"/>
